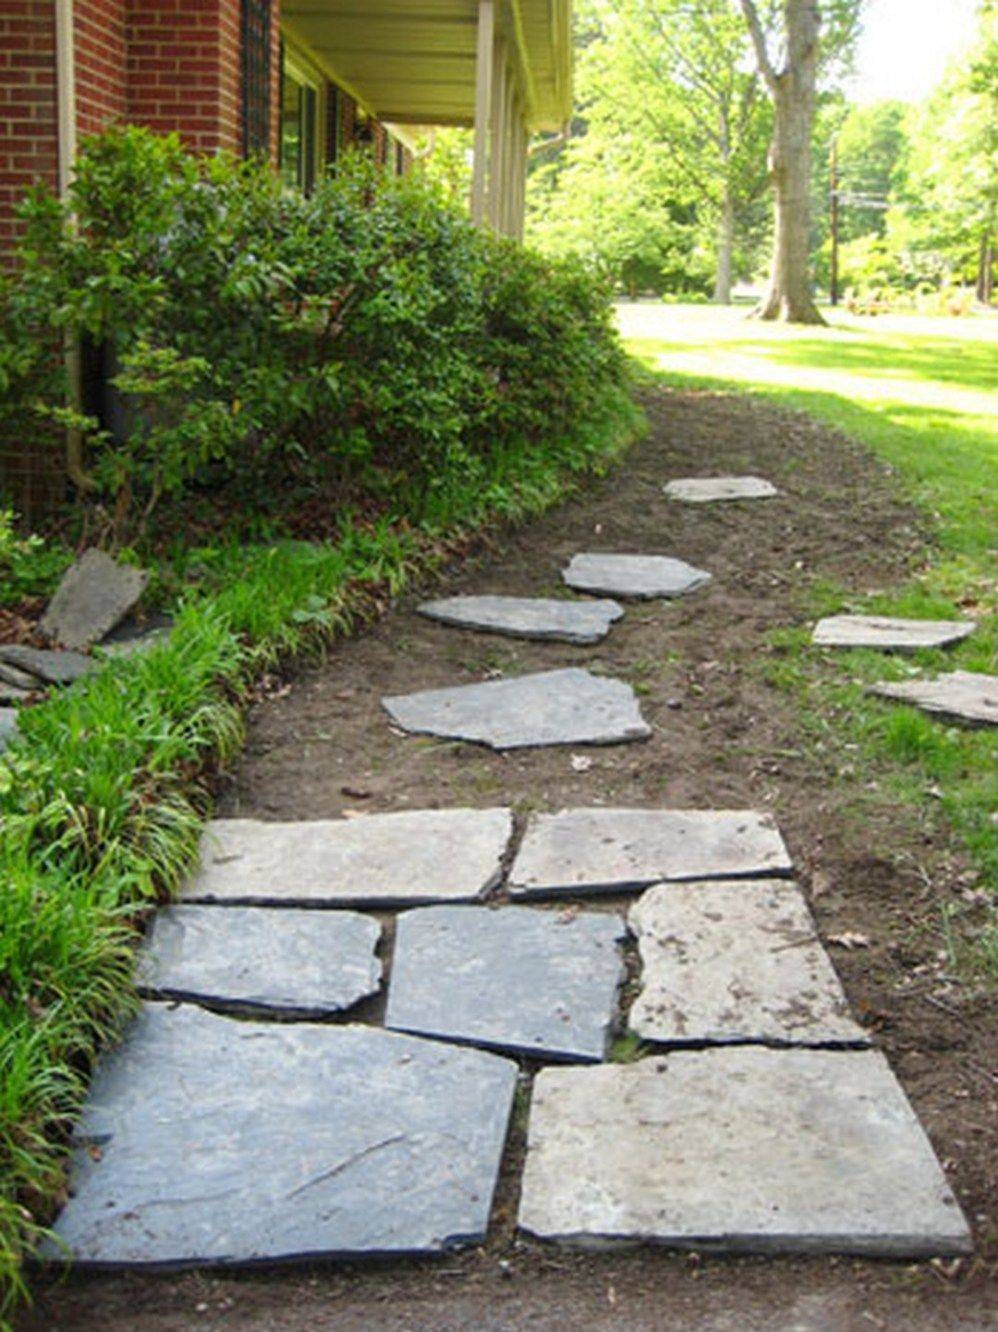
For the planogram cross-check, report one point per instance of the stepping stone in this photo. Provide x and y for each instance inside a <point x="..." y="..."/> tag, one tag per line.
<point x="881" y="631"/>
<point x="415" y="856"/>
<point x="621" y="850"/>
<point x="965" y="696"/>
<point x="641" y="576"/>
<point x="10" y="693"/>
<point x="132" y="636"/>
<point x="708" y="489"/>
<point x="254" y="959"/>
<point x="528" y="617"/>
<point x="8" y="726"/>
<point x="734" y="1150"/>
<point x="210" y="1141"/>
<point x="567" y="707"/>
<point x="14" y="678"/>
<point x="95" y="594"/>
<point x="735" y="961"/>
<point x="541" y="983"/>
<point x="58" y="668"/>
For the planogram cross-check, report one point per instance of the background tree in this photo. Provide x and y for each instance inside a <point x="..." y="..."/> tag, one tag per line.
<point x="670" y="106"/>
<point x="793" y="40"/>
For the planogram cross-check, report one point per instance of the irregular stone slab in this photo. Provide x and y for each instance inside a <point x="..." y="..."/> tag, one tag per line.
<point x="57" y="668"/>
<point x="16" y="679"/>
<point x="8" y="726"/>
<point x="746" y="1149"/>
<point x="883" y="631"/>
<point x="621" y="850"/>
<point x="240" y="1142"/>
<point x="965" y="696"/>
<point x="415" y="856"/>
<point x="709" y="489"/>
<point x="735" y="961"/>
<point x="133" y="636"/>
<point x="568" y="707"/>
<point x="541" y="983"/>
<point x="641" y="576"/>
<point x="528" y="617"/>
<point x="258" y="960"/>
<point x="95" y="594"/>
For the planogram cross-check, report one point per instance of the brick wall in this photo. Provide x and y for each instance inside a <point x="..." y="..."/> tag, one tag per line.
<point x="99" y="49"/>
<point x="28" y="132"/>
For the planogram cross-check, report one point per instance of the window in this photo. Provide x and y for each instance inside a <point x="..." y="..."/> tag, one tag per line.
<point x="299" y="125"/>
<point x="256" y="76"/>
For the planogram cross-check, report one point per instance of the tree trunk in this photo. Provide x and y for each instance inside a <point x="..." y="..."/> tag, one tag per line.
<point x="789" y="296"/>
<point x="725" y="250"/>
<point x="985" y="270"/>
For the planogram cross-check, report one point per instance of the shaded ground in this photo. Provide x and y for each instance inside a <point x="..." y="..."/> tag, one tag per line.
<point x="722" y="737"/>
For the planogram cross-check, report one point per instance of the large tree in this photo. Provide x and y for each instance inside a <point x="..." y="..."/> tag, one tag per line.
<point x="792" y="39"/>
<point x="675" y="120"/>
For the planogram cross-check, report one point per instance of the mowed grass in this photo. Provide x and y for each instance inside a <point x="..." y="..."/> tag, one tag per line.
<point x="921" y="393"/>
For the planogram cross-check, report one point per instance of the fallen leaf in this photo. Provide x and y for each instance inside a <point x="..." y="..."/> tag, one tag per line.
<point x="850" y="939"/>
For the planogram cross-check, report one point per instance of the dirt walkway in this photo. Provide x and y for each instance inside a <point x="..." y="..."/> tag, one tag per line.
<point x="722" y="737"/>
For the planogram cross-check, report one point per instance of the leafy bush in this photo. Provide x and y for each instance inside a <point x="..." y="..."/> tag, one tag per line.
<point x="364" y="338"/>
<point x="28" y="566"/>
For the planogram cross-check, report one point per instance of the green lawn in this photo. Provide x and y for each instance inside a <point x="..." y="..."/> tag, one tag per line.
<point x="920" y="392"/>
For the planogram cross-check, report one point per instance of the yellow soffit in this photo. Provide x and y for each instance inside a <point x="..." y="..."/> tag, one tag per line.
<point x="413" y="61"/>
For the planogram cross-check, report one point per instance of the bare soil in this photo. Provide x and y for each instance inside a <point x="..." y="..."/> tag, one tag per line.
<point x="877" y="876"/>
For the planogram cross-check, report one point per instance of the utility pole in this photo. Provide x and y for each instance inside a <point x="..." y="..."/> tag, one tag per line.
<point x="833" y="279"/>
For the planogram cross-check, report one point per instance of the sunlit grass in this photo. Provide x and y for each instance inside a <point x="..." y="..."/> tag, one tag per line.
<point x="921" y="393"/>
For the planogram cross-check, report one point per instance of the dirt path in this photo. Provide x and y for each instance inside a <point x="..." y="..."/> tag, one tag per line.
<point x="722" y="737"/>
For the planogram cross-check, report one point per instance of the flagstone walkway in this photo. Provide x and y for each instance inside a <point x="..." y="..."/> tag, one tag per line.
<point x="639" y="985"/>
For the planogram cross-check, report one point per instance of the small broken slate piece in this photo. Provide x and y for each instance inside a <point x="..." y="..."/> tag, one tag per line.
<point x="95" y="594"/>
<point x="643" y="577"/>
<point x="540" y="983"/>
<point x="8" y="726"/>
<point x="963" y="696"/>
<point x="566" y="707"/>
<point x="46" y="665"/>
<point x="888" y="633"/>
<point x="710" y="489"/>
<point x="542" y="618"/>
<point x="14" y="678"/>
<point x="291" y="964"/>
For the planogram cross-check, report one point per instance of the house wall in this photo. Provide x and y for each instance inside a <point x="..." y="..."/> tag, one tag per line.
<point x="28" y="133"/>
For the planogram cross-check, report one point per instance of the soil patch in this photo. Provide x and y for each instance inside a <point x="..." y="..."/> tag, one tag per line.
<point x="875" y="874"/>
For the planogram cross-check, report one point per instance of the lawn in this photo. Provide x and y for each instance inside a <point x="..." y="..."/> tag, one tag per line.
<point x="921" y="393"/>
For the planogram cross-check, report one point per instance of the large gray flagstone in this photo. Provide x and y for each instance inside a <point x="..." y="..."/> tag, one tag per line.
<point x="567" y="707"/>
<point x="641" y="576"/>
<point x="51" y="667"/>
<point x="257" y="959"/>
<point x="95" y="594"/>
<point x="205" y="1140"/>
<point x="8" y="726"/>
<point x="883" y="631"/>
<point x="541" y="983"/>
<point x="708" y="489"/>
<point x="735" y="961"/>
<point x="528" y="617"/>
<point x="412" y="856"/>
<point x="737" y="1149"/>
<point x="965" y="696"/>
<point x="621" y="850"/>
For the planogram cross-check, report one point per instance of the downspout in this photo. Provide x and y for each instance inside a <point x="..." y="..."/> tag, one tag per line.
<point x="65" y="77"/>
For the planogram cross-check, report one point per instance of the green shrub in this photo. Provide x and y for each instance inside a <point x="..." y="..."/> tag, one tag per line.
<point x="363" y="339"/>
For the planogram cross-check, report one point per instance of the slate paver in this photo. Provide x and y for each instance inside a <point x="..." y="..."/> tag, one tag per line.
<point x="544" y="618"/>
<point x="621" y="850"/>
<point x="8" y="726"/>
<point x="540" y="983"/>
<point x="51" y="667"/>
<point x="566" y="707"/>
<point x="95" y="594"/>
<point x="964" y="696"/>
<point x="261" y="960"/>
<point x="711" y="489"/>
<point x="397" y="859"/>
<point x="735" y="961"/>
<point x="889" y="633"/>
<point x="641" y="576"/>
<point x="206" y="1141"/>
<point x="737" y="1149"/>
<point x="14" y="678"/>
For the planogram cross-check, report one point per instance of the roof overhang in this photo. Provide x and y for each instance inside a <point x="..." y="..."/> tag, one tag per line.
<point x="413" y="61"/>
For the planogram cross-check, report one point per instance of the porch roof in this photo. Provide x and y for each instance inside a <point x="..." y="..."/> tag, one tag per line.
<point x="413" y="61"/>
